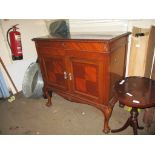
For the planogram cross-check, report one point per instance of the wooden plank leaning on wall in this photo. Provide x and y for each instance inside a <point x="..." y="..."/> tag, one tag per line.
<point x="149" y="112"/>
<point x="8" y="75"/>
<point x="138" y="52"/>
<point x="150" y="51"/>
<point x="141" y="52"/>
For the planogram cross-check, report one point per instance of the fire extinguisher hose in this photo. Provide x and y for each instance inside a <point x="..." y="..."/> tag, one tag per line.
<point x="7" y="37"/>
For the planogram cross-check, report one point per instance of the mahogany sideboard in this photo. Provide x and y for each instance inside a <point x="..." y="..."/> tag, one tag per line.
<point x="83" y="68"/>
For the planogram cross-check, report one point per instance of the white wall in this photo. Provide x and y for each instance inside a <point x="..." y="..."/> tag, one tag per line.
<point x="35" y="28"/>
<point x="108" y="25"/>
<point x="29" y="29"/>
<point x="97" y="26"/>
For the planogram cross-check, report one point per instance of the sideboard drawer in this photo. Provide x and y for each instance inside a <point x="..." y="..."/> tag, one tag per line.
<point x="51" y="44"/>
<point x="75" y="45"/>
<point x="87" y="46"/>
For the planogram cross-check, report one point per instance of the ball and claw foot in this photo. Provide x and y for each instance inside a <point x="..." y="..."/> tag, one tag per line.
<point x="48" y="104"/>
<point x="107" y="130"/>
<point x="49" y="96"/>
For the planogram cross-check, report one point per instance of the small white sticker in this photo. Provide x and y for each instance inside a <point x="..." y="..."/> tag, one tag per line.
<point x="18" y="37"/>
<point x="129" y="94"/>
<point x="135" y="101"/>
<point x="122" y="82"/>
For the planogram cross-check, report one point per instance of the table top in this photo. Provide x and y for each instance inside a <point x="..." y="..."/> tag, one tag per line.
<point x="136" y="92"/>
<point x="104" y="37"/>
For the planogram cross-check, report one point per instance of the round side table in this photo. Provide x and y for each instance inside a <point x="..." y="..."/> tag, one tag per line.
<point x="135" y="92"/>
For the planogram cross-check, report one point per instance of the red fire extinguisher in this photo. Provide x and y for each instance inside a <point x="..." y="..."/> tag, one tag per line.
<point x="15" y="43"/>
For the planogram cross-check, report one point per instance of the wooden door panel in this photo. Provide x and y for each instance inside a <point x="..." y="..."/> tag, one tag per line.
<point x="54" y="68"/>
<point x="85" y="78"/>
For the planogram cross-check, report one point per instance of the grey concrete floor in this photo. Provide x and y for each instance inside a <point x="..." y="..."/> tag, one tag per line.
<point x="27" y="116"/>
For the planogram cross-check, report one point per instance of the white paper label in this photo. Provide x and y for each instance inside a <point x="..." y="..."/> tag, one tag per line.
<point x="135" y="101"/>
<point x="137" y="45"/>
<point x="122" y="82"/>
<point x="129" y="94"/>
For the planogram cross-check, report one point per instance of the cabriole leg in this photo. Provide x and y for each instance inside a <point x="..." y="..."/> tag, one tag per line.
<point x="48" y="95"/>
<point x="107" y="110"/>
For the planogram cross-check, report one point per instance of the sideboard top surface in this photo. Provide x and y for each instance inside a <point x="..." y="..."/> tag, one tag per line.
<point x="86" y="37"/>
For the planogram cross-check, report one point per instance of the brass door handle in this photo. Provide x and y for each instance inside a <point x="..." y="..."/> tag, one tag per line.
<point x="65" y="75"/>
<point x="70" y="76"/>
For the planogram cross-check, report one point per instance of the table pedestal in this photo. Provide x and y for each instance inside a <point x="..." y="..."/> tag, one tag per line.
<point x="132" y="121"/>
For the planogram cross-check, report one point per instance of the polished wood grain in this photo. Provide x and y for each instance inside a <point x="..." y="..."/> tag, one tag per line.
<point x="83" y="69"/>
<point x="135" y="92"/>
<point x="141" y="89"/>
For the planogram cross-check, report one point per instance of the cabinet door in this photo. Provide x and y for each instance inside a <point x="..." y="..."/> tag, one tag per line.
<point x="55" y="72"/>
<point x="85" y="78"/>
